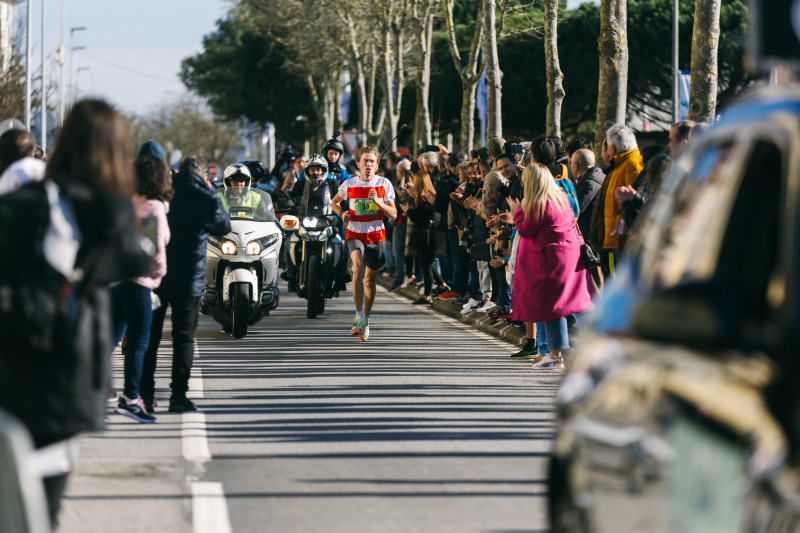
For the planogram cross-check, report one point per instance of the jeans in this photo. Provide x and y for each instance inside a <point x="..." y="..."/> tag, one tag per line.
<point x="388" y="254"/>
<point x="473" y="283"/>
<point x="451" y="257"/>
<point x="398" y="249"/>
<point x="132" y="310"/>
<point x="552" y="335"/>
<point x="503" y="289"/>
<point x="185" y="313"/>
<point x="461" y="282"/>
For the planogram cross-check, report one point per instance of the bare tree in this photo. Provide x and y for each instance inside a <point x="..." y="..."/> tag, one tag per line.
<point x="705" y="46"/>
<point x="189" y="126"/>
<point x="494" y="76"/>
<point x="469" y="73"/>
<point x="422" y="14"/>
<point x="613" y="88"/>
<point x="392" y="43"/>
<point x="555" y="78"/>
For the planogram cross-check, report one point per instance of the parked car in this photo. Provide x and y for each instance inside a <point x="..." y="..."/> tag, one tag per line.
<point x="681" y="410"/>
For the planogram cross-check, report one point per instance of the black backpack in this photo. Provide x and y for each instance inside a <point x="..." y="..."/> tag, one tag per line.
<point x="35" y="299"/>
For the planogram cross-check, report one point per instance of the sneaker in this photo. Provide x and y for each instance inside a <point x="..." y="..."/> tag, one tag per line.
<point x="395" y="286"/>
<point x="419" y="282"/>
<point x="112" y="396"/>
<point x="181" y="405"/>
<point x="408" y="282"/>
<point x="364" y="335"/>
<point x="358" y="325"/>
<point x="485" y="307"/>
<point x="470" y="303"/>
<point x="149" y="405"/>
<point x="134" y="409"/>
<point x="421" y="301"/>
<point x="506" y="317"/>
<point x="449" y="295"/>
<point x="548" y="363"/>
<point x="526" y="353"/>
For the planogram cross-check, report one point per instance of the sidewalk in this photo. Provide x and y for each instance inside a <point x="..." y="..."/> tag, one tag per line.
<point x="450" y="308"/>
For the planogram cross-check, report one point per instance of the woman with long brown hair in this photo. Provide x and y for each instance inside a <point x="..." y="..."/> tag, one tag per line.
<point x="57" y="383"/>
<point x="421" y="241"/>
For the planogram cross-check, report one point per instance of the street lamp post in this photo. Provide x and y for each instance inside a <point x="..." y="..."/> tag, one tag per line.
<point x="77" y="79"/>
<point x="43" y="143"/>
<point x="28" y="74"/>
<point x="71" y="61"/>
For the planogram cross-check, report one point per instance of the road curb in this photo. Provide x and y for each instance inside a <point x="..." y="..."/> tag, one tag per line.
<point x="452" y="309"/>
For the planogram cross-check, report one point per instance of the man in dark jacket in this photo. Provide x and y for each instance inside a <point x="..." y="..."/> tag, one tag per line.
<point x="195" y="211"/>
<point x="589" y="181"/>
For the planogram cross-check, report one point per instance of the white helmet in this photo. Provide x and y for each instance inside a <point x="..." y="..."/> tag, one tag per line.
<point x="317" y="160"/>
<point x="237" y="171"/>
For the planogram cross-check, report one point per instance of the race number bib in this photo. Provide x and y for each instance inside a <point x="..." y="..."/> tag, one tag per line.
<point x="364" y="206"/>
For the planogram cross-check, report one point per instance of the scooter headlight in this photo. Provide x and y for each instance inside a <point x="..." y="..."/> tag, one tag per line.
<point x="253" y="248"/>
<point x="229" y="248"/>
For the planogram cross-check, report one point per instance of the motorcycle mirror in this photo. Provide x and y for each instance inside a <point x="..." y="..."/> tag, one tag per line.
<point x="290" y="222"/>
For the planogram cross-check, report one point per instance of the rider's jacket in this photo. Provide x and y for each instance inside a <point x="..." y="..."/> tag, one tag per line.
<point x="314" y="197"/>
<point x="252" y="201"/>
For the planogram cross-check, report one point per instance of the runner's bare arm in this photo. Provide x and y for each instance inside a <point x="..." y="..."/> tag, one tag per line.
<point x="337" y="208"/>
<point x="387" y="206"/>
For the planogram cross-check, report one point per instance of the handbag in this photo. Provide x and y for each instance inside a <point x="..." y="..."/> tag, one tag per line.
<point x="590" y="256"/>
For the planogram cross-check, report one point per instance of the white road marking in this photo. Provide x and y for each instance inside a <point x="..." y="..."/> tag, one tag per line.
<point x="194" y="438"/>
<point x="209" y="508"/>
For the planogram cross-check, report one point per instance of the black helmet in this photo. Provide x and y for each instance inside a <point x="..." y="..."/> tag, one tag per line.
<point x="333" y="144"/>
<point x="256" y="169"/>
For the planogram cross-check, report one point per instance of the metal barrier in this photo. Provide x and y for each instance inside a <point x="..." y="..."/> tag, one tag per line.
<point x="23" y="505"/>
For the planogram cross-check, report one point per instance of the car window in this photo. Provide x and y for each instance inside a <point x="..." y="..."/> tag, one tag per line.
<point x="680" y="238"/>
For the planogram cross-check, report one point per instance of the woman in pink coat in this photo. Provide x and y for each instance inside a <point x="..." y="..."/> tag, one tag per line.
<point x="550" y="275"/>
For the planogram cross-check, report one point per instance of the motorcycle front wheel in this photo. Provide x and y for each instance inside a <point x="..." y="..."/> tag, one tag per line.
<point x="240" y="309"/>
<point x="312" y="287"/>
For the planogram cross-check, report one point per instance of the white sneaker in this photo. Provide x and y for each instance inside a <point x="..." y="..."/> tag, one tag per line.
<point x="467" y="308"/>
<point x="548" y="363"/>
<point x="485" y="307"/>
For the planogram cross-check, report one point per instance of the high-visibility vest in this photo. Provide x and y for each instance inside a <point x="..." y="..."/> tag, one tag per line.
<point x="252" y="201"/>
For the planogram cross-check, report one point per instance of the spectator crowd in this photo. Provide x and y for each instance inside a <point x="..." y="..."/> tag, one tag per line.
<point x="502" y="230"/>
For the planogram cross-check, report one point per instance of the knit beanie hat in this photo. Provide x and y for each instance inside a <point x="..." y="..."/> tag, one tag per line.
<point x="152" y="148"/>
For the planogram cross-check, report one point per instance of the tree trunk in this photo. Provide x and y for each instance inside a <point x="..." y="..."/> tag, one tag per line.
<point x="613" y="88"/>
<point x="705" y="45"/>
<point x="494" y="93"/>
<point x="422" y="127"/>
<point x="555" y="78"/>
<point x="469" y="73"/>
<point x="394" y="78"/>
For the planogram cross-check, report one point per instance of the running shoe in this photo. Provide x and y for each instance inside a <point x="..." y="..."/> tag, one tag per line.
<point x="421" y="301"/>
<point x="134" y="409"/>
<point x="548" y="363"/>
<point x="485" y="307"/>
<point x="358" y="325"/>
<point x="364" y="335"/>
<point x="449" y="295"/>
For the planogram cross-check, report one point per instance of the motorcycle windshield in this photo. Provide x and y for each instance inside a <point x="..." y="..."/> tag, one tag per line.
<point x="257" y="207"/>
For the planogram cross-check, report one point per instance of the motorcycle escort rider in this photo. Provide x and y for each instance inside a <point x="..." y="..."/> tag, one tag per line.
<point x="332" y="151"/>
<point x="303" y="194"/>
<point x="236" y="193"/>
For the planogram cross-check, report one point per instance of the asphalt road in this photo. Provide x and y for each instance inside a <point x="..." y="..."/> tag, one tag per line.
<point x="428" y="426"/>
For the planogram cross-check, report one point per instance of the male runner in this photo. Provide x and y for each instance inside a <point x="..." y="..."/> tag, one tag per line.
<point x="370" y="198"/>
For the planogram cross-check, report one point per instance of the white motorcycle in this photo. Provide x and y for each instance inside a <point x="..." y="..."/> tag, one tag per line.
<point x="242" y="268"/>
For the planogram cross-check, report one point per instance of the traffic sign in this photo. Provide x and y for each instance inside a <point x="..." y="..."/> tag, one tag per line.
<point x="350" y="139"/>
<point x="213" y="171"/>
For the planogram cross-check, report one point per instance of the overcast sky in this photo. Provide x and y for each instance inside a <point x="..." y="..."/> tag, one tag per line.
<point x="133" y="47"/>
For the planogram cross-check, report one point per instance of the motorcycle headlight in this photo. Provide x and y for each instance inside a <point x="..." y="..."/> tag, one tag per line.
<point x="253" y="248"/>
<point x="229" y="248"/>
<point x="310" y="222"/>
<point x="259" y="245"/>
